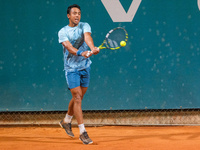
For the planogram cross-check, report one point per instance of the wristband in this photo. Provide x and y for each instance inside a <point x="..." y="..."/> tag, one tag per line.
<point x="79" y="52"/>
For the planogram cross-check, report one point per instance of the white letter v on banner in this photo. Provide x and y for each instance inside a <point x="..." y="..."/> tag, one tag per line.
<point x="198" y="4"/>
<point x="117" y="12"/>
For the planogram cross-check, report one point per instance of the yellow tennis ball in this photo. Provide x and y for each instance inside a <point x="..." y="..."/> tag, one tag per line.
<point x="123" y="43"/>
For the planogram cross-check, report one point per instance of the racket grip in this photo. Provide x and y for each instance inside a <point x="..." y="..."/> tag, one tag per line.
<point x="88" y="53"/>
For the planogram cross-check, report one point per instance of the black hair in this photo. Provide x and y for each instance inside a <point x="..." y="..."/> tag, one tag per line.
<point x="72" y="6"/>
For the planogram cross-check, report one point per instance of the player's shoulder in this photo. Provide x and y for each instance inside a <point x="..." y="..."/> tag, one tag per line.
<point x="82" y="24"/>
<point x="63" y="29"/>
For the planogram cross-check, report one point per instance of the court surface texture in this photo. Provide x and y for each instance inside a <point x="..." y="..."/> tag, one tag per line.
<point x="105" y="138"/>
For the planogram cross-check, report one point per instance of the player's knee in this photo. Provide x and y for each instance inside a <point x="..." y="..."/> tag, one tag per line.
<point x="77" y="98"/>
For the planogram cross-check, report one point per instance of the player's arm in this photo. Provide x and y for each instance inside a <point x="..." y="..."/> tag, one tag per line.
<point x="90" y="43"/>
<point x="73" y="50"/>
<point x="69" y="47"/>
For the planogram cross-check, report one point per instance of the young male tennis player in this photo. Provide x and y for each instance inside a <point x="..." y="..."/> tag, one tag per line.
<point x="76" y="40"/>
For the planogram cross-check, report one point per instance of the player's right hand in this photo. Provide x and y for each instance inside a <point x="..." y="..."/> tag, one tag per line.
<point x="95" y="50"/>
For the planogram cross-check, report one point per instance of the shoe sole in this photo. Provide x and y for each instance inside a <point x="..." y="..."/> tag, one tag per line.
<point x="86" y="143"/>
<point x="66" y="132"/>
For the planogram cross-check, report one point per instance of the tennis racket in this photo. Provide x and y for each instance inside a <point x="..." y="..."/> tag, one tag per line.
<point x="115" y="39"/>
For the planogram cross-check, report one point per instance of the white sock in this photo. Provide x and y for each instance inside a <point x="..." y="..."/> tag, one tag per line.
<point x="68" y="118"/>
<point x="81" y="128"/>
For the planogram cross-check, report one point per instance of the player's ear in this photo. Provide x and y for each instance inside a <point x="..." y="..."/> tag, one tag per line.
<point x="68" y="15"/>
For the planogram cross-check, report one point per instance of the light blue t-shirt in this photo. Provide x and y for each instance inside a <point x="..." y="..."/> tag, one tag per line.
<point x="75" y="35"/>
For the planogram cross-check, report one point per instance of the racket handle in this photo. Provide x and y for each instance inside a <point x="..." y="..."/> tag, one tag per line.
<point x="88" y="53"/>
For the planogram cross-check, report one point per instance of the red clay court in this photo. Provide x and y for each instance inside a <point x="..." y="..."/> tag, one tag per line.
<point x="105" y="138"/>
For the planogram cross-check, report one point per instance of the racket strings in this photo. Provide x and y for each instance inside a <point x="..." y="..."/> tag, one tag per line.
<point x="115" y="37"/>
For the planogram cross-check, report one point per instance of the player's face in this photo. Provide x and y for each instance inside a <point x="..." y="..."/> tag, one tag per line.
<point x="74" y="16"/>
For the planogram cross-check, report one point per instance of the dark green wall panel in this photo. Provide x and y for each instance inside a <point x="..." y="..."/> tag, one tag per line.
<point x="158" y="69"/>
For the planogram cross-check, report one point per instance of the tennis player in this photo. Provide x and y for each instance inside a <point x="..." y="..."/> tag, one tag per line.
<point x="76" y="40"/>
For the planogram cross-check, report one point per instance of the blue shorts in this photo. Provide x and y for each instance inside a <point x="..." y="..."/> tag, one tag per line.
<point x="78" y="78"/>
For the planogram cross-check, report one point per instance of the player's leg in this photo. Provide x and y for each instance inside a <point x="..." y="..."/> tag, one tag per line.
<point x="70" y="111"/>
<point x="77" y="96"/>
<point x="73" y="81"/>
<point x="84" y="82"/>
<point x="66" y="122"/>
<point x="83" y="133"/>
<point x="77" y="101"/>
<point x="74" y="108"/>
<point x="84" y="90"/>
<point x="85" y="79"/>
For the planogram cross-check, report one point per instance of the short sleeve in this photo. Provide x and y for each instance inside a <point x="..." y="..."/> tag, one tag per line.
<point x="62" y="36"/>
<point x="86" y="28"/>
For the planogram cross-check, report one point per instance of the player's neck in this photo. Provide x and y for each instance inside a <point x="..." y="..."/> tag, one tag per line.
<point x="72" y="24"/>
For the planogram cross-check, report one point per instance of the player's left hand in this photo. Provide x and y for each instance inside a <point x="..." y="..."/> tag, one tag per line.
<point x="95" y="50"/>
<point x="87" y="54"/>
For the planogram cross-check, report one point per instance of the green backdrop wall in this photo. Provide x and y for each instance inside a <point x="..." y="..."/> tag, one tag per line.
<point x="158" y="69"/>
